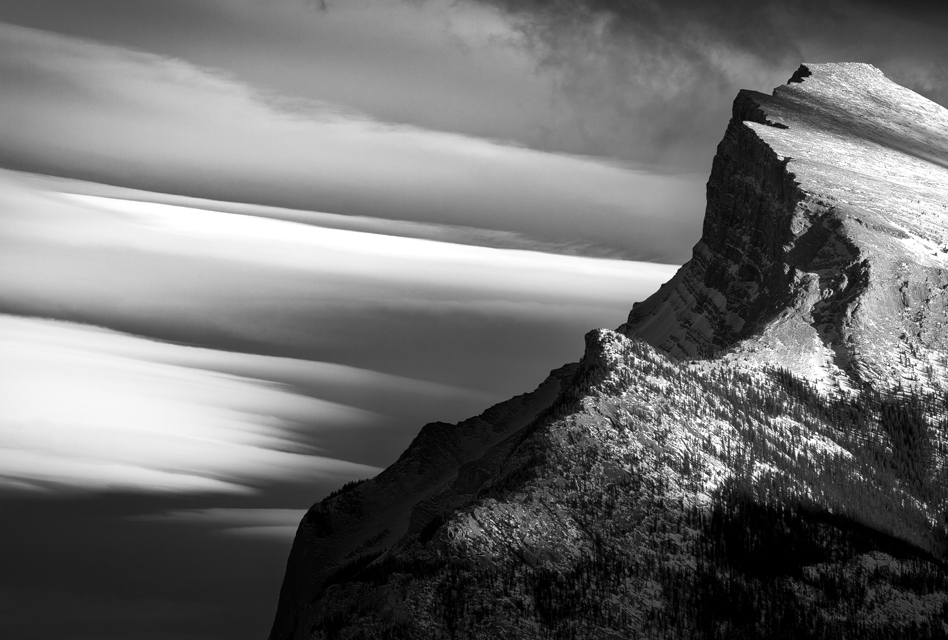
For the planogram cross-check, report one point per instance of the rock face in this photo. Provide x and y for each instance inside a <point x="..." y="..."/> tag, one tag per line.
<point x="760" y="451"/>
<point x="368" y="517"/>
<point x="825" y="243"/>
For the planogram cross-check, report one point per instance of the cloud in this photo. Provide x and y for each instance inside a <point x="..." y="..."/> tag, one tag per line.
<point x="101" y="410"/>
<point x="414" y="307"/>
<point x="653" y="81"/>
<point x="454" y="234"/>
<point x="438" y="65"/>
<point x="643" y="81"/>
<point x="161" y="236"/>
<point x="91" y="409"/>
<point x="86" y="110"/>
<point x="360" y="257"/>
<point x="265" y="523"/>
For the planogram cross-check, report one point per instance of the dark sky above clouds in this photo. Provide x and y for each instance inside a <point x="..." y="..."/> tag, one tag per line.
<point x="247" y="248"/>
<point x="642" y="81"/>
<point x="654" y="80"/>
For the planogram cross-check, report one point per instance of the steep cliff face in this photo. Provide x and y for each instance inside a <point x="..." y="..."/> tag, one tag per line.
<point x="362" y="520"/>
<point x="760" y="451"/>
<point x="825" y="243"/>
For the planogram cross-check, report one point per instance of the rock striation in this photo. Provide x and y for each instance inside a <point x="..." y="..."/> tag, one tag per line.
<point x="761" y="451"/>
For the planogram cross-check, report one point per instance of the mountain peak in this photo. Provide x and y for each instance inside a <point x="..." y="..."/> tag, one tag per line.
<point x="759" y="452"/>
<point x="825" y="242"/>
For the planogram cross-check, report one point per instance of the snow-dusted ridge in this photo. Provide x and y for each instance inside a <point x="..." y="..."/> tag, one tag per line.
<point x="825" y="244"/>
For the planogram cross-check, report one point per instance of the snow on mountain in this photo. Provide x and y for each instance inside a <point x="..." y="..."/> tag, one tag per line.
<point x="759" y="452"/>
<point x="825" y="241"/>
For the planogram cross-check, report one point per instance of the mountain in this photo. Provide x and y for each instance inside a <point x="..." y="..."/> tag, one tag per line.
<point x="761" y="451"/>
<point x="825" y="241"/>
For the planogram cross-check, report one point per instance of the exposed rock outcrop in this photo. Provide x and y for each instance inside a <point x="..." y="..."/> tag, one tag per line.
<point x="825" y="236"/>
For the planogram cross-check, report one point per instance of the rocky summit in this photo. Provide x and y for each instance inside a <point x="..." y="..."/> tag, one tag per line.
<point x="825" y="240"/>
<point x="759" y="452"/>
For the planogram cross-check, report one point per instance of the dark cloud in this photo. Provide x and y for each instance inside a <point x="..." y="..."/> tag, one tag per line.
<point x="642" y="81"/>
<point x="652" y="81"/>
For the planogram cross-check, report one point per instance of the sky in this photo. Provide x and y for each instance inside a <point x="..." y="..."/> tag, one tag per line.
<point x="248" y="248"/>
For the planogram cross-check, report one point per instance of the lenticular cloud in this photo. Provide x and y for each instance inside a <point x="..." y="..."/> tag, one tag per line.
<point x="92" y="409"/>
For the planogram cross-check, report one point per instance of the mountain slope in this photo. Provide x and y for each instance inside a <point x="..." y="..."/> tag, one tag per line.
<point x="364" y="518"/>
<point x="760" y="451"/>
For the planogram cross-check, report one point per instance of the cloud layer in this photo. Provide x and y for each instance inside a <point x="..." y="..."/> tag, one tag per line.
<point x="87" y="408"/>
<point x="639" y="80"/>
<point x="384" y="333"/>
<point x="653" y="81"/>
<point x="112" y="115"/>
<point x="275" y="524"/>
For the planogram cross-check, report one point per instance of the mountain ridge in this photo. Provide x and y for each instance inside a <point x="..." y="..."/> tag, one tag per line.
<point x="812" y="229"/>
<point x="761" y="447"/>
